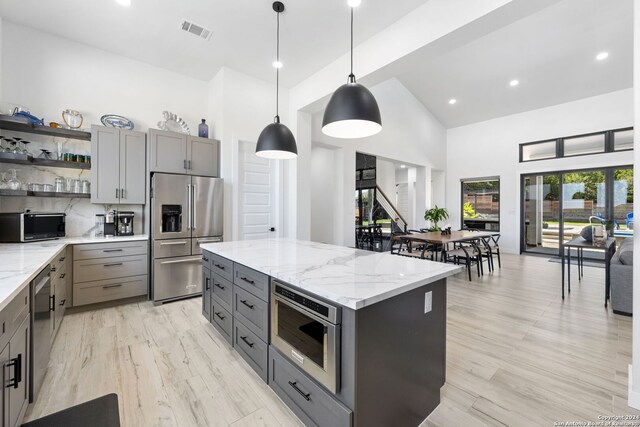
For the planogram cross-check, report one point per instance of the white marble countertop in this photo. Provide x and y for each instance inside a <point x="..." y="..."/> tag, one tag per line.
<point x="350" y="277"/>
<point x="21" y="262"/>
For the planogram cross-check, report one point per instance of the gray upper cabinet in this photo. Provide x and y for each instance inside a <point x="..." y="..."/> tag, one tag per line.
<point x="118" y="166"/>
<point x="168" y="151"/>
<point x="202" y="156"/>
<point x="172" y="152"/>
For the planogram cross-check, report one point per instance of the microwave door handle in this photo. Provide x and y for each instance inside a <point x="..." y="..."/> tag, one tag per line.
<point x="307" y="313"/>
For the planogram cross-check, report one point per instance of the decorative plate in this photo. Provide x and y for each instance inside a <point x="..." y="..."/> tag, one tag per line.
<point x="174" y="123"/>
<point x="115" y="121"/>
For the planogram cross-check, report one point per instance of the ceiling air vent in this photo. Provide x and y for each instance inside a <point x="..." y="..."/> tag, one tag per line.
<point x="196" y="29"/>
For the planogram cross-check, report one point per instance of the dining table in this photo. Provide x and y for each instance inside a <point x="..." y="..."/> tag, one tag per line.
<point x="441" y="240"/>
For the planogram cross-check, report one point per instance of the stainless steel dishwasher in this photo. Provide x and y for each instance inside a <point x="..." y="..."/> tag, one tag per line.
<point x="41" y="329"/>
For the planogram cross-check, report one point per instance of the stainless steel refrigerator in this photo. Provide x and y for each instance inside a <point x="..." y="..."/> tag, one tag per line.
<point x="186" y="211"/>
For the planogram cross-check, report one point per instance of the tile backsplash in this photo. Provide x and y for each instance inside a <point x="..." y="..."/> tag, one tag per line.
<point x="80" y="211"/>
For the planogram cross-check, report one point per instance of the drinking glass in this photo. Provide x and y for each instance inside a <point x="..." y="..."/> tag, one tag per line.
<point x="60" y="186"/>
<point x="86" y="186"/>
<point x="24" y="145"/>
<point x="3" y="180"/>
<point x="14" y="183"/>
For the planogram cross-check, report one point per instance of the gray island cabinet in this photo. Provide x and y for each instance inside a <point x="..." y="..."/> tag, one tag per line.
<point x="344" y="337"/>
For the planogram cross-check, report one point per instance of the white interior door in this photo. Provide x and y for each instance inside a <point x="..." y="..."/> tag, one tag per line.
<point x="257" y="195"/>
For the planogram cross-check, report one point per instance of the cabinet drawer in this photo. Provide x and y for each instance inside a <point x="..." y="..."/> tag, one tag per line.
<point x="171" y="248"/>
<point x="108" y="290"/>
<point x="251" y="348"/>
<point x="222" y="290"/>
<point x="222" y="267"/>
<point x="13" y="315"/>
<point x="314" y="405"/>
<point x="222" y="321"/>
<point x="252" y="311"/>
<point x="111" y="268"/>
<point x="59" y="262"/>
<point x="107" y="250"/>
<point x="252" y="281"/>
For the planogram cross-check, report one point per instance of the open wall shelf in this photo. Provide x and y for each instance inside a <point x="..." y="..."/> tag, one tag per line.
<point x="23" y="159"/>
<point x="20" y="124"/>
<point x="24" y="193"/>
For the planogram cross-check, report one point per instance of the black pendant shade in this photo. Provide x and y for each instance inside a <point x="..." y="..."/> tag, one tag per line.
<point x="276" y="140"/>
<point x="352" y="111"/>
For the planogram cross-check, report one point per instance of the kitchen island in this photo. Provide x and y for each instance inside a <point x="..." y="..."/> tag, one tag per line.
<point x="343" y="336"/>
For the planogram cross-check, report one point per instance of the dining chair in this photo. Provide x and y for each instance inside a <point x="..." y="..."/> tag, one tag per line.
<point x="461" y="252"/>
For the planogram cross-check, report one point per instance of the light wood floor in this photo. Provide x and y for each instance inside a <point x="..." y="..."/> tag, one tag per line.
<point x="516" y="355"/>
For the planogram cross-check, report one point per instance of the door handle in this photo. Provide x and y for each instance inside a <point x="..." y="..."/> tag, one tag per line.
<point x="123" y="193"/>
<point x="249" y="343"/>
<point x="206" y="284"/>
<point x="16" y="363"/>
<point x="188" y="206"/>
<point x="189" y="163"/>
<point x="294" y="384"/>
<point x="117" y="193"/>
<point x="193" y="198"/>
<point x="244" y="301"/>
<point x="184" y="164"/>
<point x="180" y="261"/>
<point x="52" y="303"/>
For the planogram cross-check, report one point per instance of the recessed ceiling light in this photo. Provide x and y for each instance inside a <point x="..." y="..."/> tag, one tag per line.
<point x="125" y="3"/>
<point x="514" y="83"/>
<point x="277" y="64"/>
<point x="452" y="101"/>
<point x="354" y="3"/>
<point x="403" y="166"/>
<point x="602" y="56"/>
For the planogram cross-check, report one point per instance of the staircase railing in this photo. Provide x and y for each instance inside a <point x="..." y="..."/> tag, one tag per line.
<point x="391" y="210"/>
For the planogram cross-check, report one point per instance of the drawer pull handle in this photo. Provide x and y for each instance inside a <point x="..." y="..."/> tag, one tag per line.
<point x="62" y="275"/>
<point x="113" y="264"/>
<point x="62" y="302"/>
<point x="249" y="343"/>
<point x="221" y="317"/>
<point x="53" y="269"/>
<point x="221" y="267"/>
<point x="244" y="301"/>
<point x="112" y="286"/>
<point x="248" y="280"/>
<point x="205" y="259"/>
<point x="17" y="371"/>
<point x="307" y="396"/>
<point x="61" y="259"/>
<point x="218" y="285"/>
<point x="172" y="243"/>
<point x="111" y="250"/>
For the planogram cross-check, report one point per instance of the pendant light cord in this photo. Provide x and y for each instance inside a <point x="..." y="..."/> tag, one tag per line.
<point x="352" y="77"/>
<point x="277" y="118"/>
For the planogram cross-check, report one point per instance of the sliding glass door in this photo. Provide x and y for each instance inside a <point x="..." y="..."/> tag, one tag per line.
<point x="541" y="209"/>
<point x="557" y="206"/>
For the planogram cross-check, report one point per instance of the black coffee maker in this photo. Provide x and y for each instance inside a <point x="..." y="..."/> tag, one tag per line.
<point x="124" y="223"/>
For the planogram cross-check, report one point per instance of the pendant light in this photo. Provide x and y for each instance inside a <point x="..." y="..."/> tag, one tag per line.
<point x="352" y="111"/>
<point x="276" y="140"/>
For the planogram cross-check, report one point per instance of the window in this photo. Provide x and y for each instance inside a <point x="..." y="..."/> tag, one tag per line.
<point x="623" y="140"/>
<point x="481" y="204"/>
<point x="538" y="151"/>
<point x="556" y="206"/>
<point x="579" y="145"/>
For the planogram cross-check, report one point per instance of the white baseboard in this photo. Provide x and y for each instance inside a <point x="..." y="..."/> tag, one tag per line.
<point x="634" y="396"/>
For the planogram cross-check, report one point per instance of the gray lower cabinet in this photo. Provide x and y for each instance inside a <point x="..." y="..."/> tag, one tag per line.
<point x="312" y="404"/>
<point x="252" y="349"/>
<point x="222" y="320"/>
<point x="109" y="271"/>
<point x="118" y="171"/>
<point x="15" y="373"/>
<point x="206" y="293"/>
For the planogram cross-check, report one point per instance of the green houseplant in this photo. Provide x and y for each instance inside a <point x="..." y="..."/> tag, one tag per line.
<point x="435" y="215"/>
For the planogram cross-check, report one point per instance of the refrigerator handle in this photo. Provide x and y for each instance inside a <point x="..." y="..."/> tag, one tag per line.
<point x="189" y="207"/>
<point x="194" y="210"/>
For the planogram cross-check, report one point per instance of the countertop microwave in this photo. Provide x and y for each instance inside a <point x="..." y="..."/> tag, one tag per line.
<point x="21" y="227"/>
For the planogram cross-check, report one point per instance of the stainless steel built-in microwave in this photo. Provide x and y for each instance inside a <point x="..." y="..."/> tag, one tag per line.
<point x="20" y="227"/>
<point x="307" y="331"/>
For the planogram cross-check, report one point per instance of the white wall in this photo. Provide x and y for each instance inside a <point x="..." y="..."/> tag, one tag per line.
<point x="325" y="226"/>
<point x="386" y="177"/>
<point x="48" y="74"/>
<point x="410" y="134"/>
<point x="240" y="107"/>
<point x="491" y="148"/>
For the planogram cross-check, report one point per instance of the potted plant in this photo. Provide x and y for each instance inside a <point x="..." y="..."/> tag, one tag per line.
<point x="435" y="215"/>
